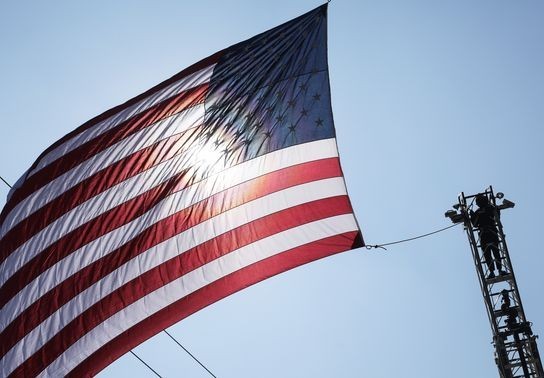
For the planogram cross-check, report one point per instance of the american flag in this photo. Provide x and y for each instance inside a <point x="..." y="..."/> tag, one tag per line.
<point x="219" y="177"/>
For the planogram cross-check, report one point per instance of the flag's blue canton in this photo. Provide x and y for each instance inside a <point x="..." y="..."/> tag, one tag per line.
<point x="271" y="91"/>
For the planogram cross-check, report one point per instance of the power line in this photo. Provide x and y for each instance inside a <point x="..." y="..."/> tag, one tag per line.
<point x="5" y="182"/>
<point x="182" y="347"/>
<point x="189" y="353"/>
<point x="382" y="246"/>
<point x="143" y="362"/>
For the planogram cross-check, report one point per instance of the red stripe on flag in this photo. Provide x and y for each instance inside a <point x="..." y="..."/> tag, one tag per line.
<point x="85" y="151"/>
<point x="116" y="173"/>
<point x="153" y="235"/>
<point x="152" y="280"/>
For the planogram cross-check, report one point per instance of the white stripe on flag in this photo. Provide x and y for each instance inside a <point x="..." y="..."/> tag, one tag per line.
<point x="189" y="283"/>
<point x="161" y="130"/>
<point x="168" y="249"/>
<point x="186" y="83"/>
<point x="102" y="246"/>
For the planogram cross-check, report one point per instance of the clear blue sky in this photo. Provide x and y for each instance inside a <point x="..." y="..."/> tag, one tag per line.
<point x="430" y="98"/>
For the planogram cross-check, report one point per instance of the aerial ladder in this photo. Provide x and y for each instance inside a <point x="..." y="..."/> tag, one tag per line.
<point x="516" y="352"/>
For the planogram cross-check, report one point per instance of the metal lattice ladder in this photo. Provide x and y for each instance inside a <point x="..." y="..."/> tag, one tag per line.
<point x="516" y="352"/>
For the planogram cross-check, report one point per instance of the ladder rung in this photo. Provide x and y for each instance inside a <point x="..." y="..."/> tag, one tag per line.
<point x="499" y="278"/>
<point x="500" y="292"/>
<point x="514" y="364"/>
<point x="513" y="348"/>
<point x="499" y="313"/>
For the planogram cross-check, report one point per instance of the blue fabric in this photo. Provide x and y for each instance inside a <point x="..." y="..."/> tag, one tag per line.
<point x="271" y="91"/>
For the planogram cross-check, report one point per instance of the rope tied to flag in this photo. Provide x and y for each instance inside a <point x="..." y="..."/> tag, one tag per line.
<point x="382" y="246"/>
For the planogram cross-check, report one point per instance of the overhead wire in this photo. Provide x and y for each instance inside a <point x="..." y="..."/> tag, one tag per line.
<point x="5" y="182"/>
<point x="145" y="363"/>
<point x="189" y="353"/>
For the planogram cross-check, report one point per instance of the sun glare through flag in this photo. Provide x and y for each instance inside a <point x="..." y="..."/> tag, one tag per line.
<point x="221" y="176"/>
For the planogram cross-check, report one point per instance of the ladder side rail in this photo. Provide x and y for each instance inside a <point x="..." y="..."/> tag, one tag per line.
<point x="516" y="296"/>
<point x="504" y="249"/>
<point x="538" y="361"/>
<point x="526" y="345"/>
